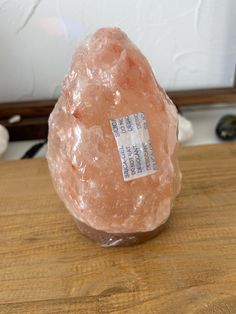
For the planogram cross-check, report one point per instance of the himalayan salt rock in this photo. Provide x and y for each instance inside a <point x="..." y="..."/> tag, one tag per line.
<point x="112" y="143"/>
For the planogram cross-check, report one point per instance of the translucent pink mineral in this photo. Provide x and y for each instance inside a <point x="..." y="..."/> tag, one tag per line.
<point x="112" y="142"/>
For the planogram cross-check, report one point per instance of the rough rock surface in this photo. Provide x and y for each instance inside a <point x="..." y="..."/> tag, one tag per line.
<point x="110" y="79"/>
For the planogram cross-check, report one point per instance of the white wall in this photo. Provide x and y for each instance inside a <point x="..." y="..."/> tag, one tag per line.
<point x="190" y="43"/>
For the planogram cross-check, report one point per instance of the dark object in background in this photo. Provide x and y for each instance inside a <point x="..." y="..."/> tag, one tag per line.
<point x="226" y="128"/>
<point x="32" y="151"/>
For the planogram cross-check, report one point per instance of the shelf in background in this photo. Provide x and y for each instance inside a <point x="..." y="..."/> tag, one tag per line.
<point x="34" y="114"/>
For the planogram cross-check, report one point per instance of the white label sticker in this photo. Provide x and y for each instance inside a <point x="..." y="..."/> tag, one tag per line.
<point x="134" y="146"/>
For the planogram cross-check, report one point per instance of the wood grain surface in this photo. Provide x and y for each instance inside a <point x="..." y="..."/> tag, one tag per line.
<point x="47" y="266"/>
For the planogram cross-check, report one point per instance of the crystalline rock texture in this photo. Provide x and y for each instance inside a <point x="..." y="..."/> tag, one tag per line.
<point x="111" y="82"/>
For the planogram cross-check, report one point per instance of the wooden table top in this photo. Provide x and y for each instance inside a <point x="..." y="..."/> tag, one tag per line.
<point x="47" y="266"/>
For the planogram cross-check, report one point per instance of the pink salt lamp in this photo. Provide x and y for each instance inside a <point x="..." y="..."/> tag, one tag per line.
<point x="112" y="143"/>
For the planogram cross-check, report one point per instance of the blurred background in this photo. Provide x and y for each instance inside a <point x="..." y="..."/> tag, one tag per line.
<point x="191" y="44"/>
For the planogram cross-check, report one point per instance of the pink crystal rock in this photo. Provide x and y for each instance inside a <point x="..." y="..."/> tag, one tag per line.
<point x="112" y="142"/>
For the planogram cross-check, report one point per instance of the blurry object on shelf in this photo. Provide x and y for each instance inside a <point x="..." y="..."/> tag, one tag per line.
<point x="185" y="129"/>
<point x="14" y="119"/>
<point x="33" y="150"/>
<point x="4" y="140"/>
<point x="226" y="128"/>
